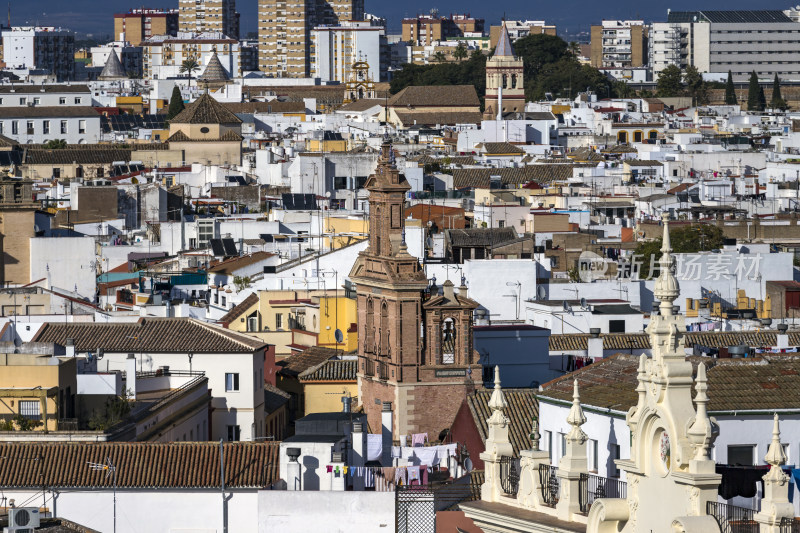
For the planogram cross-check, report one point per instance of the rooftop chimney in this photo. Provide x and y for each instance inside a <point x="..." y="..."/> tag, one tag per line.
<point x="70" y="348"/>
<point x="594" y="344"/>
<point x="130" y="375"/>
<point x="293" y="469"/>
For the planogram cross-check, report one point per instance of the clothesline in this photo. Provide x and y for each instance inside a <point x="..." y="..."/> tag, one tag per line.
<point x="384" y="478"/>
<point x="428" y="455"/>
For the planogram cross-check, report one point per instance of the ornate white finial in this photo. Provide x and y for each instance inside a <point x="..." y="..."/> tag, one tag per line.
<point x="775" y="454"/>
<point x="498" y="400"/>
<point x="701" y="432"/>
<point x="666" y="288"/>
<point x="535" y="436"/>
<point x="576" y="418"/>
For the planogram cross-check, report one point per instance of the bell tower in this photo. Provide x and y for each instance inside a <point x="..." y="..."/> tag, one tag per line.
<point x="505" y="86"/>
<point x="408" y="338"/>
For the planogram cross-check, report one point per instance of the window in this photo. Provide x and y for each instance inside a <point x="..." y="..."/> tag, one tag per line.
<point x="29" y="409"/>
<point x="77" y="99"/>
<point x="14" y="127"/>
<point x="234" y="434"/>
<point x="563" y="441"/>
<point x="501" y="223"/>
<point x="23" y="101"/>
<point x="223" y="301"/>
<point x="231" y="382"/>
<point x="62" y="100"/>
<point x="29" y="127"/>
<point x="278" y="321"/>
<point x="548" y="443"/>
<point x="81" y="126"/>
<point x="741" y="455"/>
<point x="616" y="326"/>
<point x="37" y="101"/>
<point x="63" y="127"/>
<point x="592" y="455"/>
<point x="615" y="453"/>
<point x="46" y="127"/>
<point x="448" y="342"/>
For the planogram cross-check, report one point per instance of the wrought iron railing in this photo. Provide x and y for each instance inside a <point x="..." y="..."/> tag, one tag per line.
<point x="790" y="525"/>
<point x="592" y="487"/>
<point x="548" y="479"/>
<point x="509" y="475"/>
<point x="732" y="518"/>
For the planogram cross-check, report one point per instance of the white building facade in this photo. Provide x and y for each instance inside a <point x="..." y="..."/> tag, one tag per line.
<point x="337" y="48"/>
<point x="164" y="55"/>
<point x="39" y="48"/>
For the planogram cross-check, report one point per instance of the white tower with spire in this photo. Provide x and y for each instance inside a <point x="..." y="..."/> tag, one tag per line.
<point x="670" y="474"/>
<point x="505" y="87"/>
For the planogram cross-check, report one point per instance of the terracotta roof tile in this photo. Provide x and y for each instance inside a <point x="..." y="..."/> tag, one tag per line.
<point x="298" y="363"/>
<point x="175" y="465"/>
<point x="422" y="118"/>
<point x="640" y="341"/>
<point x="239" y="309"/>
<point x="206" y="110"/>
<point x="502" y="148"/>
<point x="436" y="96"/>
<point x="332" y="370"/>
<point x="160" y="335"/>
<point x="522" y="408"/>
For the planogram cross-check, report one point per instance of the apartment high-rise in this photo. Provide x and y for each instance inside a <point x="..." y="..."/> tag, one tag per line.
<point x="425" y="30"/>
<point x="200" y="16"/>
<point x="619" y="44"/>
<point x="138" y="25"/>
<point x="285" y="47"/>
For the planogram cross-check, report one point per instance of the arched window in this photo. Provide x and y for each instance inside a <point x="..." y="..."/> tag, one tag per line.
<point x="513" y="81"/>
<point x="369" y="328"/>
<point x="448" y="341"/>
<point x="622" y="137"/>
<point x="384" y="331"/>
<point x="505" y="81"/>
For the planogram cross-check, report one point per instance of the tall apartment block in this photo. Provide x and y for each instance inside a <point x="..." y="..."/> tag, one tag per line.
<point x="285" y="46"/>
<point x="138" y="25"/>
<point x="619" y="44"/>
<point x="425" y="30"/>
<point x="39" y="48"/>
<point x="764" y="41"/>
<point x="517" y="29"/>
<point x="200" y="16"/>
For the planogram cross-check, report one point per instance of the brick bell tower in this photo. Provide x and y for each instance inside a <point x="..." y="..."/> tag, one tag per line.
<point x="425" y="382"/>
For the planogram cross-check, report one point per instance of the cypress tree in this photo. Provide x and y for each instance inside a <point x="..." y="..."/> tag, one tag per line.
<point x="175" y="103"/>
<point x="777" y="101"/>
<point x="762" y="99"/>
<point x="752" y="93"/>
<point x="730" y="92"/>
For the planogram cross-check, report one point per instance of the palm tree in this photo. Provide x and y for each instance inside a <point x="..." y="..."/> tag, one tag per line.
<point x="460" y="52"/>
<point x="439" y="57"/>
<point x="191" y="66"/>
<point x="574" y="49"/>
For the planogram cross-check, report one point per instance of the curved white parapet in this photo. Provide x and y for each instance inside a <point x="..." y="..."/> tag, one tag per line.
<point x="695" y="524"/>
<point x="608" y="515"/>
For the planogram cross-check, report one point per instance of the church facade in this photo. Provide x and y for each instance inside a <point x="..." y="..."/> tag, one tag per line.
<point x="415" y="343"/>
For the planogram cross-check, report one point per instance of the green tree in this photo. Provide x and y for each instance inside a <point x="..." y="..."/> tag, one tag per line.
<point x="439" y="57"/>
<point x="622" y="89"/>
<point x="730" y="91"/>
<point x="694" y="83"/>
<point x="175" y="103"/>
<point x="189" y="66"/>
<point x="574" y="48"/>
<point x="753" y="90"/>
<point x="777" y="101"/>
<point x="685" y="240"/>
<point x="762" y="99"/>
<point x="56" y="144"/>
<point x="669" y="82"/>
<point x="460" y="53"/>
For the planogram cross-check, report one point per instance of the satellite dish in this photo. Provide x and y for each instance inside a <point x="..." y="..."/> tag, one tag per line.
<point x="468" y="464"/>
<point x="541" y="293"/>
<point x="567" y="308"/>
<point x="338" y="335"/>
<point x="583" y="303"/>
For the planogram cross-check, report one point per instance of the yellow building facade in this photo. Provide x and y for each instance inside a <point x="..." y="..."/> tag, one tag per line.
<point x="39" y="388"/>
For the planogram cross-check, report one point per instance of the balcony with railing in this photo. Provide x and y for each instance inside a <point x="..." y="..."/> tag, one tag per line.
<point x="593" y="487"/>
<point x="550" y="484"/>
<point x="732" y="518"/>
<point x="509" y="475"/>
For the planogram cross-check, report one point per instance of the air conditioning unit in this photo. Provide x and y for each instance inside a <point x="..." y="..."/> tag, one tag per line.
<point x="23" y="517"/>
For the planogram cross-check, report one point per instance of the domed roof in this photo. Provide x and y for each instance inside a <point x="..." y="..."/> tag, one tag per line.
<point x="113" y="69"/>
<point x="214" y="70"/>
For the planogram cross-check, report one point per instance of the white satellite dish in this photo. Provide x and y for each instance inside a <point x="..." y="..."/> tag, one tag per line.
<point x="468" y="464"/>
<point x="567" y="308"/>
<point x="541" y="293"/>
<point x="584" y="305"/>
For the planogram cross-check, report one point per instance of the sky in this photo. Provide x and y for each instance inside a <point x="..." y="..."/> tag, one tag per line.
<point x="571" y="16"/>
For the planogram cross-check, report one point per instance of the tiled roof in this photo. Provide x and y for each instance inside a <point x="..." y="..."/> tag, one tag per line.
<point x="163" y="335"/>
<point x="148" y="465"/>
<point x="643" y="163"/>
<point x="762" y="383"/>
<point x="214" y="70"/>
<point x="640" y="341"/>
<point x="481" y="177"/>
<point x="205" y="110"/>
<point x="620" y="149"/>
<point x="504" y="48"/>
<point x="228" y="136"/>
<point x="6" y="142"/>
<point x="422" y="118"/>
<point x="298" y="363"/>
<point x="502" y="148"/>
<point x="273" y="106"/>
<point x="362" y="105"/>
<point x="522" y="408"/>
<point x="332" y="370"/>
<point x="239" y="309"/>
<point x="274" y="398"/>
<point x="67" y="157"/>
<point x="479" y="236"/>
<point x="232" y="265"/>
<point x="436" y="96"/>
<point x="113" y="68"/>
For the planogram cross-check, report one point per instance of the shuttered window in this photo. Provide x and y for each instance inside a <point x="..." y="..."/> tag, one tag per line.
<point x="30" y="410"/>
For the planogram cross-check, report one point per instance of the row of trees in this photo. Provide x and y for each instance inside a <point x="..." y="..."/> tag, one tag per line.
<point x="672" y="82"/>
<point x="551" y="67"/>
